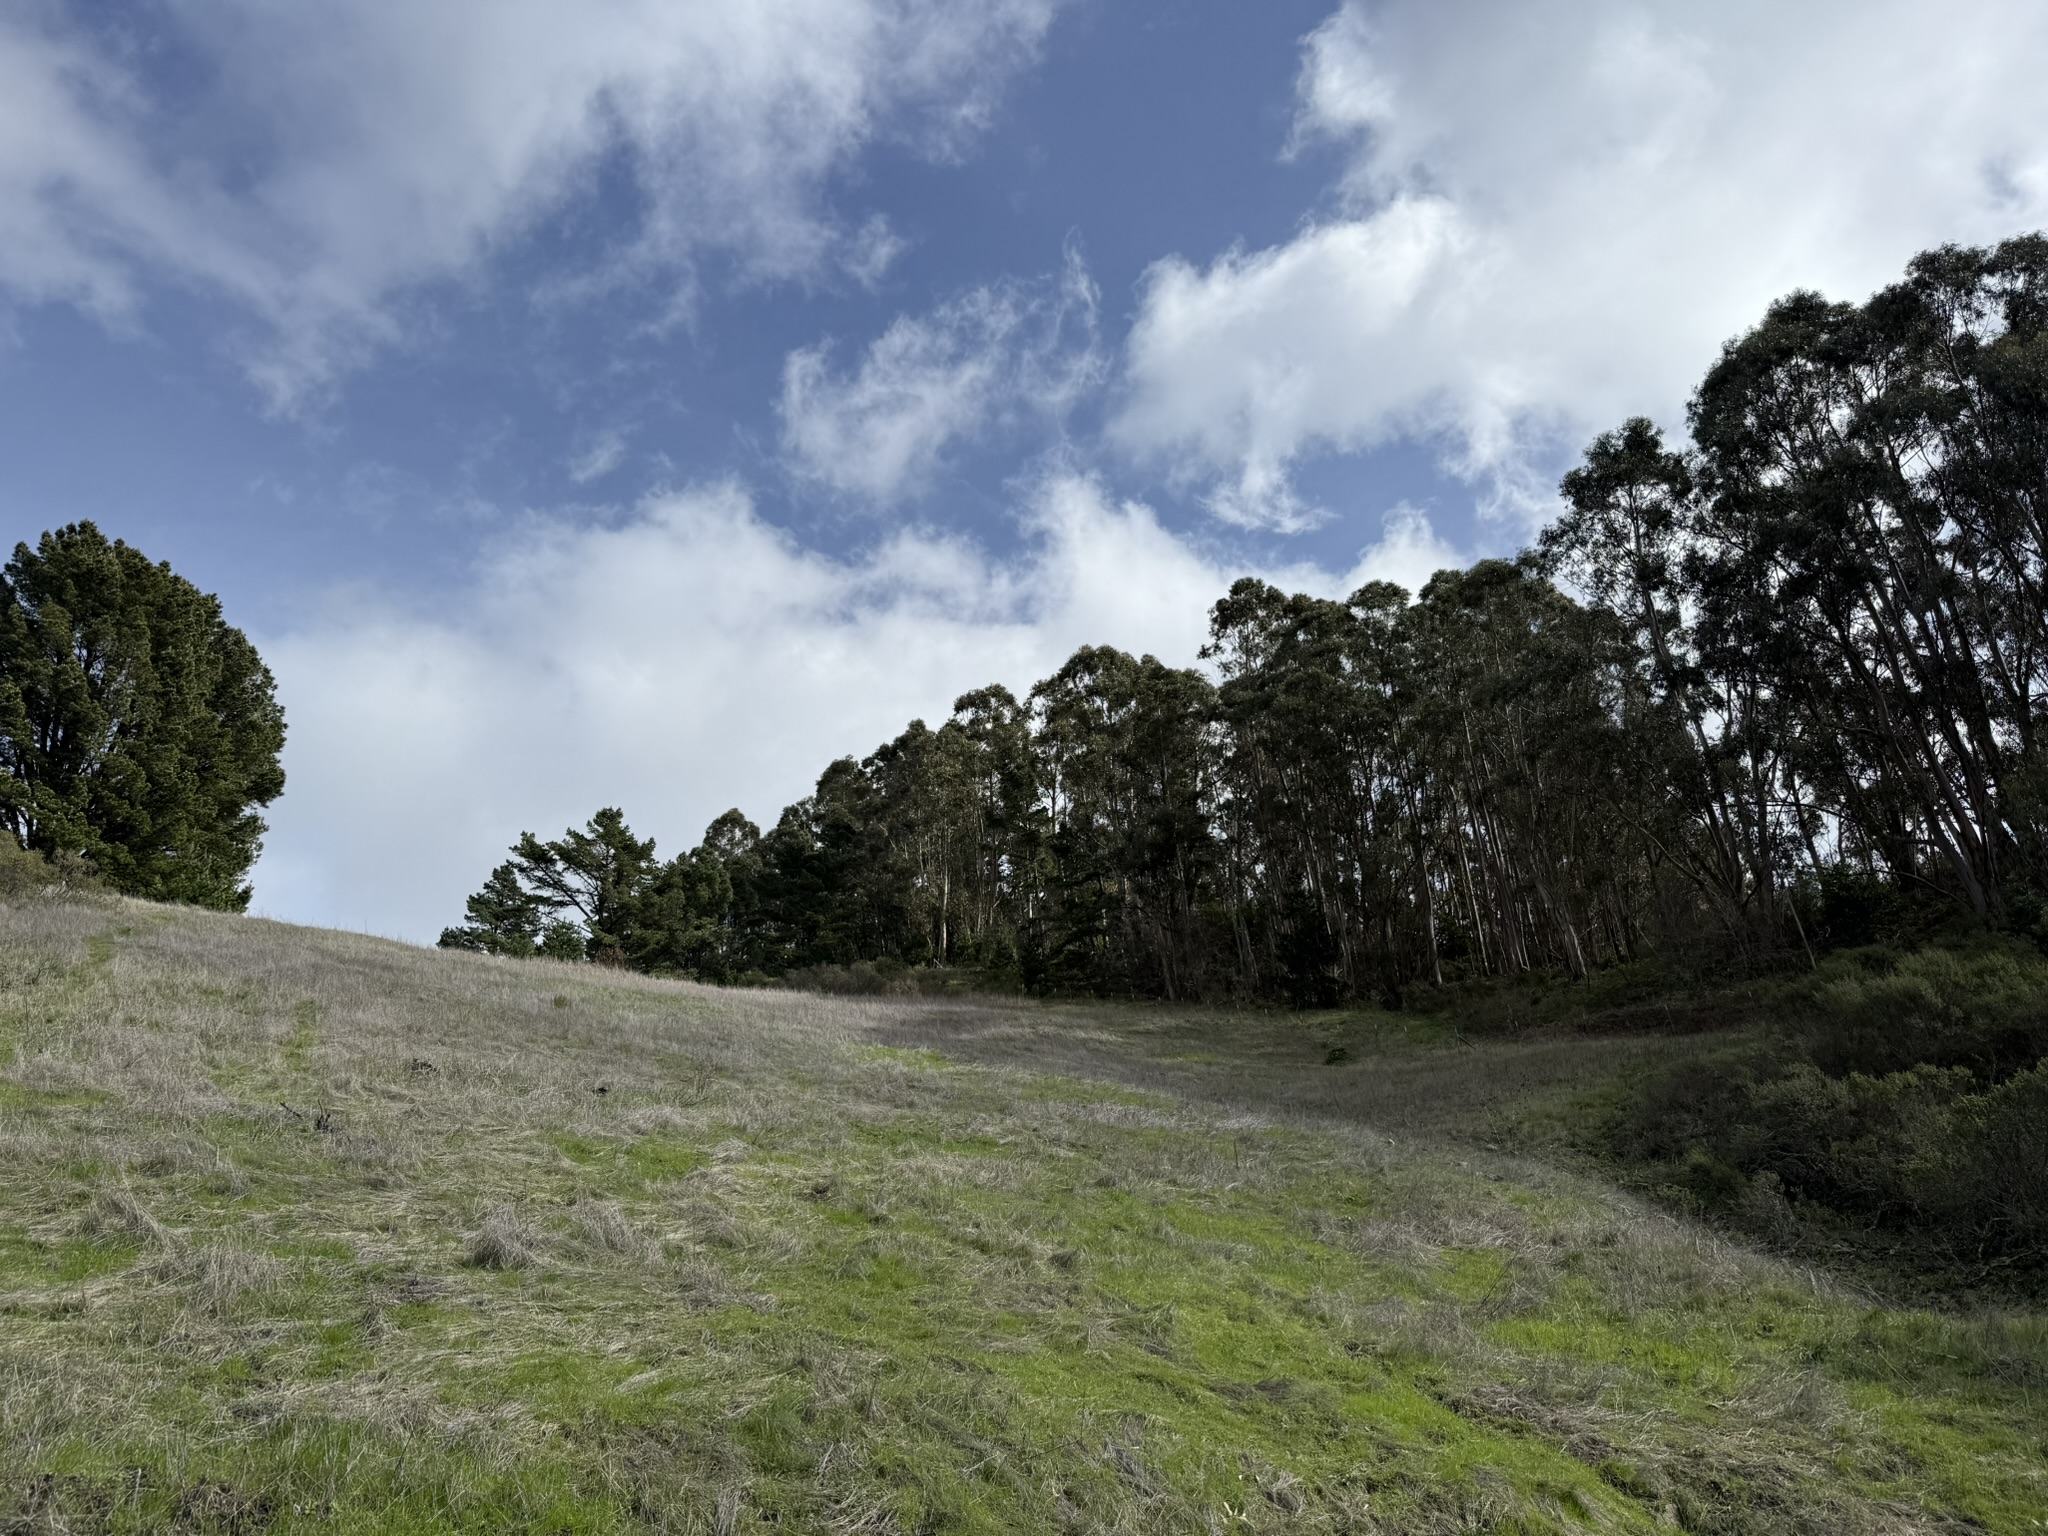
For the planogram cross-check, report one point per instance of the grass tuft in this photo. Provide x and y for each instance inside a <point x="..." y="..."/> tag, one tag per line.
<point x="118" y="1216"/>
<point x="502" y="1240"/>
<point x="607" y="1228"/>
<point x="214" y="1277"/>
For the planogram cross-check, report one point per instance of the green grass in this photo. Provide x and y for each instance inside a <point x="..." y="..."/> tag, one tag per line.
<point x="305" y="1231"/>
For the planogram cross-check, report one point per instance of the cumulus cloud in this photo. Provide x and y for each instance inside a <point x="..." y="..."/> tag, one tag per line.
<point x="1552" y="214"/>
<point x="992" y="356"/>
<point x="690" y="659"/>
<point x="1326" y="339"/>
<point x="1408" y="552"/>
<point x="342" y="153"/>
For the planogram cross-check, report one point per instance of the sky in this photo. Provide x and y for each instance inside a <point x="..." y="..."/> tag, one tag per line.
<point x="645" y="402"/>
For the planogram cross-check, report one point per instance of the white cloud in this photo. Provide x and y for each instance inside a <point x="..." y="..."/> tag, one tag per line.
<point x="1243" y="362"/>
<point x="995" y="354"/>
<point x="344" y="152"/>
<point x="1553" y="214"/>
<point x="75" y="197"/>
<point x="871" y="251"/>
<point x="690" y="660"/>
<point x="599" y="457"/>
<point x="1409" y="551"/>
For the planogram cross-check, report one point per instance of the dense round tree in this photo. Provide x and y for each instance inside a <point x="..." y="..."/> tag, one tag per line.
<point x="137" y="727"/>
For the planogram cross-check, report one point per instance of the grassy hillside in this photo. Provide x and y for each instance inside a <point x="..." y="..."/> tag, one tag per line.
<point x="306" y="1231"/>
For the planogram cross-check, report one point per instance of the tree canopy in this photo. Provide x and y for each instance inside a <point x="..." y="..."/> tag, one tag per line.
<point x="598" y="893"/>
<point x="137" y="727"/>
<point x="1743" y="695"/>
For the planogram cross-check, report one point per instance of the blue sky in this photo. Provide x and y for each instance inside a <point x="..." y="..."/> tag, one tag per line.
<point x="645" y="401"/>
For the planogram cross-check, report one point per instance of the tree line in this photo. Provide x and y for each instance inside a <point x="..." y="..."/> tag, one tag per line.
<point x="1742" y="695"/>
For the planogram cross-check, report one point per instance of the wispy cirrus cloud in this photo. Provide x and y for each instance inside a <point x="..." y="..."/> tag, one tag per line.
<point x="994" y="356"/>
<point x="342" y="154"/>
<point x="598" y="457"/>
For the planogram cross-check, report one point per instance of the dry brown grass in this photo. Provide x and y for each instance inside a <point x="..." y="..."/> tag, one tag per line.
<point x="502" y="1240"/>
<point x="423" y="1241"/>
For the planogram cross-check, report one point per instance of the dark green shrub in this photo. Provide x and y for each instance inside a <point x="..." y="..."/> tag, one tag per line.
<point x="23" y="873"/>
<point x="1984" y="1007"/>
<point x="1990" y="1173"/>
<point x="1902" y="1092"/>
<point x="20" y="871"/>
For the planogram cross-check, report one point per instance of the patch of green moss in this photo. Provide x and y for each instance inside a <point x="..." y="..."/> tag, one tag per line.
<point x="663" y="1157"/>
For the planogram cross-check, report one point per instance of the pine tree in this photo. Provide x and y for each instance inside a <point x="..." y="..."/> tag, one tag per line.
<point x="137" y="727"/>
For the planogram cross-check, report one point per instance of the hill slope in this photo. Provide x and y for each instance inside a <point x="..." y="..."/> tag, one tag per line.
<point x="302" y="1230"/>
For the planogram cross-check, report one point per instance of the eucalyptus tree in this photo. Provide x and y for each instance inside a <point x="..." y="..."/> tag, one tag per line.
<point x="1874" y="535"/>
<point x="1815" y="641"/>
<point x="1126" y="768"/>
<point x="732" y="942"/>
<point x="1321" y="833"/>
<point x="1003" y="833"/>
<point x="924" y="857"/>
<point x="1518" y="699"/>
<point x="1629" y="538"/>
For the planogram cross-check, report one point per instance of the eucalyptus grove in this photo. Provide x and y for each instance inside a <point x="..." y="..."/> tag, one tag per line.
<point x="1803" y="656"/>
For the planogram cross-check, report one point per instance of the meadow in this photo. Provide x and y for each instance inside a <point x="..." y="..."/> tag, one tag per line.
<point x="304" y="1230"/>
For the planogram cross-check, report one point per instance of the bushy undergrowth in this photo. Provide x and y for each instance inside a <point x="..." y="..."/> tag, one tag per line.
<point x="894" y="978"/>
<point x="23" y="873"/>
<point x="1905" y="1093"/>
